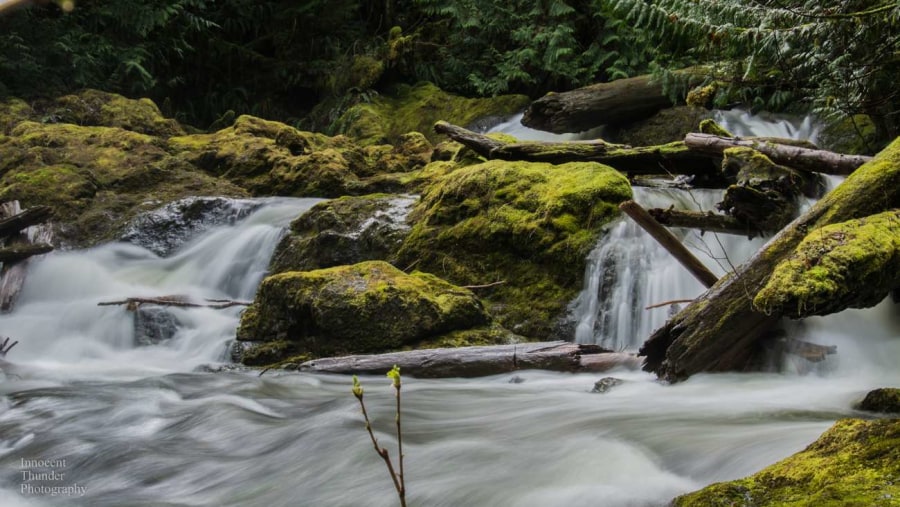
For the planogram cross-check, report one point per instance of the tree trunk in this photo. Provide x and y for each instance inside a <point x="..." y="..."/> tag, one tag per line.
<point x="672" y="158"/>
<point x="615" y="102"/>
<point x="479" y="361"/>
<point x="706" y="221"/>
<point x="804" y="159"/>
<point x="721" y="329"/>
<point x="25" y="219"/>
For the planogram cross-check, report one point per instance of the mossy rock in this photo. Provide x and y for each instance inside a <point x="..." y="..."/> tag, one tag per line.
<point x="95" y="178"/>
<point x="367" y="307"/>
<point x="856" y="463"/>
<point x="885" y="400"/>
<point x="666" y="126"/>
<point x="417" y="108"/>
<point x="93" y="108"/>
<point x="14" y="111"/>
<point x="347" y="230"/>
<point x="851" y="264"/>
<point x="855" y="135"/>
<point x="528" y="225"/>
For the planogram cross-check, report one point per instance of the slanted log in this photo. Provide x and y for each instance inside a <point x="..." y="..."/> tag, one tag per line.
<point x="706" y="221"/>
<point x="620" y="101"/>
<point x="479" y="361"/>
<point x="19" y="252"/>
<point x="796" y="157"/>
<point x="25" y="219"/>
<point x="672" y="158"/>
<point x="720" y="331"/>
<point x="668" y="241"/>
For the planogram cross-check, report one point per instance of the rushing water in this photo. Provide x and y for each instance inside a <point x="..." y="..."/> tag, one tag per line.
<point x="140" y="426"/>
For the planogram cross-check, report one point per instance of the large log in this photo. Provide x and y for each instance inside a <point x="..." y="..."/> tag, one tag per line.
<point x="721" y="329"/>
<point x="479" y="361"/>
<point x="706" y="221"/>
<point x="16" y="253"/>
<point x="796" y="157"/>
<point x="615" y="102"/>
<point x="672" y="158"/>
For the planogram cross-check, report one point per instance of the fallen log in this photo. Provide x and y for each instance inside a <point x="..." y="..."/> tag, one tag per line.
<point x="25" y="219"/>
<point x="668" y="241"/>
<point x="796" y="157"/>
<point x="706" y="221"/>
<point x="672" y="158"/>
<point x="720" y="331"/>
<point x="479" y="361"/>
<point x="132" y="304"/>
<point x="16" y="253"/>
<point x="620" y="101"/>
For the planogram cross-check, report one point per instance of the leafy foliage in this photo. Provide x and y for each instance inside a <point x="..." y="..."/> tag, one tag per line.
<point x="841" y="56"/>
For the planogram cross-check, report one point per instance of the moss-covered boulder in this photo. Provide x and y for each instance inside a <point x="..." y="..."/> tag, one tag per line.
<point x="885" y="400"/>
<point x="93" y="108"/>
<point x="855" y="135"/>
<point x="416" y="108"/>
<point x="856" y="463"/>
<point x="366" y="307"/>
<point x="347" y="230"/>
<point x="852" y="264"/>
<point x="271" y="158"/>
<point x="95" y="178"/>
<point x="527" y="226"/>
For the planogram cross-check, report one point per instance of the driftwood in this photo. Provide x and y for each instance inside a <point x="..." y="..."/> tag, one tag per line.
<point x="706" y="221"/>
<point x="21" y="221"/>
<point x="180" y="301"/>
<point x="805" y="159"/>
<point x="16" y="253"/>
<point x="615" y="102"/>
<point x="668" y="241"/>
<point x="672" y="158"/>
<point x="721" y="330"/>
<point x="479" y="361"/>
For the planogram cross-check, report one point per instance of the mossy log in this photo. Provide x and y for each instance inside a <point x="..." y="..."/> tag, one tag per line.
<point x="16" y="253"/>
<point x="25" y="219"/>
<point x="672" y="158"/>
<point x="706" y="221"/>
<point x="615" y="102"/>
<point x="479" y="361"/>
<point x="796" y="157"/>
<point x="721" y="329"/>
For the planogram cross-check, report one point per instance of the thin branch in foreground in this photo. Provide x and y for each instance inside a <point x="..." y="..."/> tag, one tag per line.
<point x="5" y="347"/>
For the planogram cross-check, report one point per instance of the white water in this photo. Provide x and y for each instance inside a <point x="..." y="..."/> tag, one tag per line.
<point x="138" y="427"/>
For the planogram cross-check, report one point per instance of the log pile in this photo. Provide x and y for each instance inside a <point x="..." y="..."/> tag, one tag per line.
<point x="21" y="237"/>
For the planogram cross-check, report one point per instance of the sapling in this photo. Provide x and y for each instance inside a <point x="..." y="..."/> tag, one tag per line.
<point x="396" y="474"/>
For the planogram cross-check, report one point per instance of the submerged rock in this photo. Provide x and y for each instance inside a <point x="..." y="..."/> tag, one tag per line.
<point x="525" y="225"/>
<point x="855" y="463"/>
<point x="605" y="384"/>
<point x="853" y="264"/>
<point x="164" y="230"/>
<point x="153" y="325"/>
<point x="366" y="307"/>
<point x="347" y="230"/>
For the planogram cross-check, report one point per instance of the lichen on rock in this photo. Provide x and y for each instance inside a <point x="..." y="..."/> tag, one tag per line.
<point x="851" y="264"/>
<point x="856" y="463"/>
<point x="366" y="307"/>
<point x="527" y="225"/>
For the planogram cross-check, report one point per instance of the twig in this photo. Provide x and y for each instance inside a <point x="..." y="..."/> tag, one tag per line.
<point x="4" y="349"/>
<point x="179" y="301"/>
<point x="485" y="286"/>
<point x="667" y="303"/>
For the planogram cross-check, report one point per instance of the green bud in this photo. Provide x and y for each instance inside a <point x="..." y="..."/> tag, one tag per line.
<point x="357" y="388"/>
<point x="394" y="375"/>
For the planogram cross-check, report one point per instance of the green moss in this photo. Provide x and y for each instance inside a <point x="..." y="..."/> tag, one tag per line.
<point x="96" y="108"/>
<point x="885" y="400"/>
<point x="849" y="264"/>
<point x="856" y="463"/>
<point x="417" y="108"/>
<point x="854" y="135"/>
<point x="268" y="353"/>
<point x="488" y="335"/>
<point x="529" y="225"/>
<point x="12" y="112"/>
<point x="709" y="126"/>
<point x="367" y="307"/>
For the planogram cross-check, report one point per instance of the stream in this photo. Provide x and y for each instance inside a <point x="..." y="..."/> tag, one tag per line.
<point x="88" y="417"/>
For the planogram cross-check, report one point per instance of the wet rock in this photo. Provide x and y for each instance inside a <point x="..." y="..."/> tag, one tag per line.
<point x="605" y="384"/>
<point x="885" y="400"/>
<point x="666" y="126"/>
<point x="366" y="307"/>
<point x="347" y="230"/>
<point x="164" y="230"/>
<point x="153" y="325"/>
